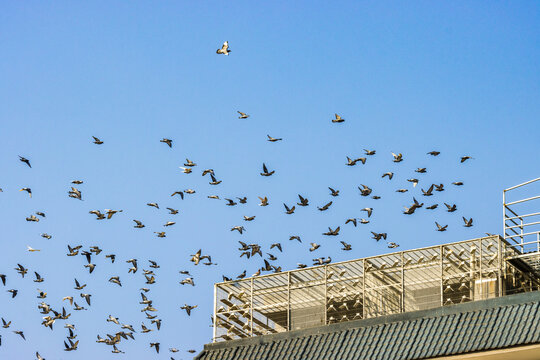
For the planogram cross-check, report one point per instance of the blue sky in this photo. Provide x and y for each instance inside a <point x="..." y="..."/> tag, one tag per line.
<point x="460" y="77"/>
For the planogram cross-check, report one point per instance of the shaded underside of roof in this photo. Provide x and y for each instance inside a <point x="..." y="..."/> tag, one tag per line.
<point x="476" y="326"/>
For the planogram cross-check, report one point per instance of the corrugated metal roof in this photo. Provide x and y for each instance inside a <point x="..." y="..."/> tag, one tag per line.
<point x="475" y="326"/>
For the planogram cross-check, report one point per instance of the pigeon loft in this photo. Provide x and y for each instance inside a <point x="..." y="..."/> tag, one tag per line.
<point x="404" y="281"/>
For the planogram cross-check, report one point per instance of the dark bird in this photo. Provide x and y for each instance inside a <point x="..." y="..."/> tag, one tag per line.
<point x="97" y="141"/>
<point x="153" y="205"/>
<point x="421" y="170"/>
<point x="167" y="141"/>
<point x="188" y="308"/>
<point x="295" y="237"/>
<point x="325" y="207"/>
<point x="379" y="236"/>
<point x="139" y="225"/>
<point x="429" y="191"/>
<point x="266" y="172"/>
<point x="331" y="232"/>
<point x="230" y="202"/>
<point x="468" y="223"/>
<point x="368" y="210"/>
<point x="98" y="213"/>
<point x="441" y="228"/>
<point x="353" y="220"/>
<point x="38" y="278"/>
<point x="351" y="162"/>
<point x="288" y="210"/>
<point x="156" y="345"/>
<point x="242" y="200"/>
<point x="365" y="190"/>
<point x="465" y="158"/>
<point x="86" y="297"/>
<point x="32" y="218"/>
<point x="397" y="158"/>
<point x="242" y="115"/>
<point x="389" y="174"/>
<point x="369" y="152"/>
<point x="271" y="139"/>
<point x="13" y="292"/>
<point x="240" y="229"/>
<point x="78" y="286"/>
<point x="21" y="270"/>
<point x="303" y="201"/>
<point x="439" y="187"/>
<point x="346" y="247"/>
<point x="338" y="119"/>
<point x="3" y="278"/>
<point x="18" y="332"/>
<point x="214" y="180"/>
<point x="181" y="193"/>
<point x="458" y="183"/>
<point x="25" y="160"/>
<point x="333" y="192"/>
<point x="432" y="207"/>
<point x="28" y="190"/>
<point x="434" y="153"/>
<point x="278" y="245"/>
<point x="451" y="208"/>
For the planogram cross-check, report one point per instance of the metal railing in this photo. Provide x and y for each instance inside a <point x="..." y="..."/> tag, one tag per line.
<point x="521" y="223"/>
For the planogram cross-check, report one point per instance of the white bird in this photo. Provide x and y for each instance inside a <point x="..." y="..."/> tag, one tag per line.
<point x="224" y="49"/>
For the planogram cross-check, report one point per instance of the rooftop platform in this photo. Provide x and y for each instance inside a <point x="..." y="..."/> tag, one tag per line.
<point x="400" y="282"/>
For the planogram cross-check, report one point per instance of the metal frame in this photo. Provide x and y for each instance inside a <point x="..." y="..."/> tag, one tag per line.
<point x="369" y="287"/>
<point x="521" y="227"/>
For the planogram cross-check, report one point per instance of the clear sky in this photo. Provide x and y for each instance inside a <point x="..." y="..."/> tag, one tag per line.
<point x="460" y="77"/>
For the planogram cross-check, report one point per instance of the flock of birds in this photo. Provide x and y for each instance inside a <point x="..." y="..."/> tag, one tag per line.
<point x="128" y="332"/>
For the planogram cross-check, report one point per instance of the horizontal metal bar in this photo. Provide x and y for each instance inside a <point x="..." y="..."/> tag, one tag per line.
<point x="525" y="183"/>
<point x="513" y="221"/>
<point x="520" y="201"/>
<point x="522" y="216"/>
<point x="523" y="225"/>
<point x="526" y="243"/>
<point x="521" y="235"/>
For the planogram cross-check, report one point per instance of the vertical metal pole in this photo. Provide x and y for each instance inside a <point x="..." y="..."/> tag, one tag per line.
<point x="325" y="294"/>
<point x="501" y="271"/>
<point x="402" y="284"/>
<point x="482" y="295"/>
<point x="215" y="313"/>
<point x="364" y="302"/>
<point x="521" y="237"/>
<point x="289" y="301"/>
<point x="251" y="307"/>
<point x="504" y="214"/>
<point x="442" y="275"/>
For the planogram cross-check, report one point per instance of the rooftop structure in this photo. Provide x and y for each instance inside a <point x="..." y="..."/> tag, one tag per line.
<point x="399" y="282"/>
<point x="503" y="328"/>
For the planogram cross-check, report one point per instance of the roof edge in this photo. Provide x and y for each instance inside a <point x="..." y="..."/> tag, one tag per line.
<point x="507" y="300"/>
